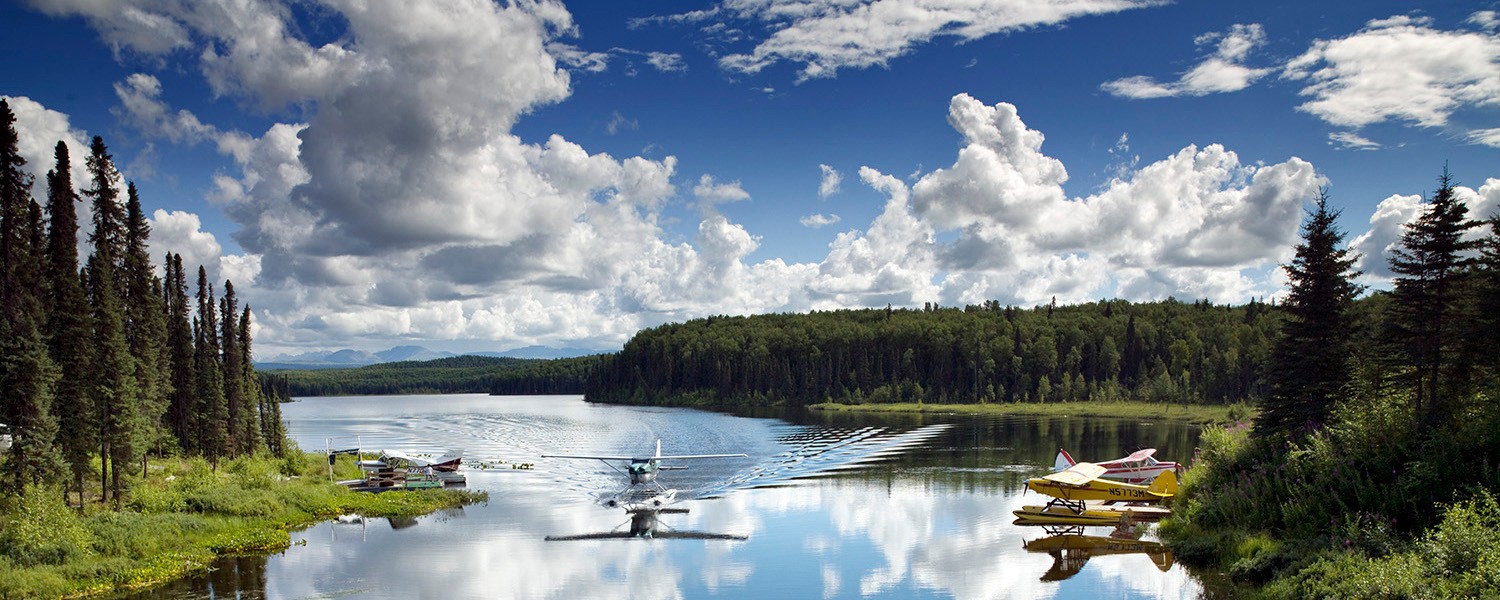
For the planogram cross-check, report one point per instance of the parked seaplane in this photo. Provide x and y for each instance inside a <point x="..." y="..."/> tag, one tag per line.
<point x="645" y="525"/>
<point x="1072" y="488"/>
<point x="643" y="492"/>
<point x="1139" y="467"/>
<point x="445" y="467"/>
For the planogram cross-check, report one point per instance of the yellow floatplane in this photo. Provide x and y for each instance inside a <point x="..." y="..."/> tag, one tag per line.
<point x="1071" y="489"/>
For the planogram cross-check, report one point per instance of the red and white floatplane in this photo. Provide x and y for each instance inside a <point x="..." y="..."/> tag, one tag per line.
<point x="1141" y="466"/>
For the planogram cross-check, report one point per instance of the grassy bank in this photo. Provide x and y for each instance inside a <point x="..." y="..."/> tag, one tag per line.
<point x="1366" y="507"/>
<point x="1132" y="410"/>
<point x="177" y="520"/>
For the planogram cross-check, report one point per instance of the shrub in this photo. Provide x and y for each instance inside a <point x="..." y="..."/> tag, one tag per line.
<point x="156" y="499"/>
<point x="234" y="501"/>
<point x="43" y="531"/>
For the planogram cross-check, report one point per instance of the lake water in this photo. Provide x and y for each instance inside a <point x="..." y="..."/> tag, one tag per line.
<point x="825" y="506"/>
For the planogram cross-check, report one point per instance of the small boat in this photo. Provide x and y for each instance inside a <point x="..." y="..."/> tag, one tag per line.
<point x="1141" y="466"/>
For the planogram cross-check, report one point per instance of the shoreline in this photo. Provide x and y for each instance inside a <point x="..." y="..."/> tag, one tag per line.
<point x="182" y="518"/>
<point x="1192" y="413"/>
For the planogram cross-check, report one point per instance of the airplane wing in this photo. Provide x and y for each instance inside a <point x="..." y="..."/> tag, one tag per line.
<point x="397" y="454"/>
<point x="1140" y="454"/>
<point x="579" y="456"/>
<point x="696" y="535"/>
<point x="1078" y="475"/>
<point x="688" y="456"/>
<point x="613" y="535"/>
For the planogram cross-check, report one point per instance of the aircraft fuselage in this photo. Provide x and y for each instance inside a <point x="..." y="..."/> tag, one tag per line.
<point x="642" y="471"/>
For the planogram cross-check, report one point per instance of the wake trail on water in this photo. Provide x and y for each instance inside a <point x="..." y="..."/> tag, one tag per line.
<point x="817" y="451"/>
<point x="798" y="453"/>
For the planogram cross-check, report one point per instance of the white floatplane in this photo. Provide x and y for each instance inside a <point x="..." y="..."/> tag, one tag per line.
<point x="643" y="491"/>
<point x="1140" y="467"/>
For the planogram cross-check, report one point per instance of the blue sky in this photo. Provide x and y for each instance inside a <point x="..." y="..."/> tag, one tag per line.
<point x="469" y="175"/>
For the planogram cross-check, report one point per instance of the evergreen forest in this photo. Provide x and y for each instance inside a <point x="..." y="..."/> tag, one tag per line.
<point x="454" y="375"/>
<point x="1168" y="351"/>
<point x="107" y="364"/>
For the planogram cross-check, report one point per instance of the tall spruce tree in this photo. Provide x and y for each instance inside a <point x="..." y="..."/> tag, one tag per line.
<point x="234" y="392"/>
<point x="113" y="371"/>
<point x="213" y="411"/>
<point x="182" y="408"/>
<point x="27" y="375"/>
<point x="146" y="327"/>
<point x="253" y="422"/>
<point x="1425" y="320"/>
<point x="275" y="389"/>
<point x="1487" y="292"/>
<point x="1311" y="359"/>
<point x="69" y="323"/>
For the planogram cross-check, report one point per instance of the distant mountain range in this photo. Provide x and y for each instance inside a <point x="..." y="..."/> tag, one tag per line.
<point x="348" y="357"/>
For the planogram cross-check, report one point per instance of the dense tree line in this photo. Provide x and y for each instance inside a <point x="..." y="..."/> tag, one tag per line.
<point x="106" y="365"/>
<point x="1165" y="351"/>
<point x="455" y="375"/>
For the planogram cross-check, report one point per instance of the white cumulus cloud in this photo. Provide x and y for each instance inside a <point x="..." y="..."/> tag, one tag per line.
<point x="830" y="182"/>
<point x="818" y="221"/>
<point x="1223" y="70"/>
<point x="825" y="36"/>
<point x="1398" y="69"/>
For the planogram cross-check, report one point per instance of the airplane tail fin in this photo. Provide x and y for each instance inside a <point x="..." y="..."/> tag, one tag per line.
<point x="1164" y="484"/>
<point x="658" y="447"/>
<point x="1064" y="460"/>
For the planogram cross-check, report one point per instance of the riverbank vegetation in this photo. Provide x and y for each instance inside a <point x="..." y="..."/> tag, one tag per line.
<point x="1191" y="413"/>
<point x="180" y="517"/>
<point x="454" y="375"/>
<point x="1373" y="467"/>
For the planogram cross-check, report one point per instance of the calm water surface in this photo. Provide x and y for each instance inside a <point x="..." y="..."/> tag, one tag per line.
<point x="825" y="506"/>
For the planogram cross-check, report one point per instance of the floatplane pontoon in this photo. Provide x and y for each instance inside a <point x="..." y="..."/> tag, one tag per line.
<point x="1072" y="489"/>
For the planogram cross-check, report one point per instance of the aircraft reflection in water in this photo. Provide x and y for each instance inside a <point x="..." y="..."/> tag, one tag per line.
<point x="1070" y="549"/>
<point x="644" y="524"/>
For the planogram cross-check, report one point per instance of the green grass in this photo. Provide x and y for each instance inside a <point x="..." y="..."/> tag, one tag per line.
<point x="1193" y="413"/>
<point x="178" y="520"/>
